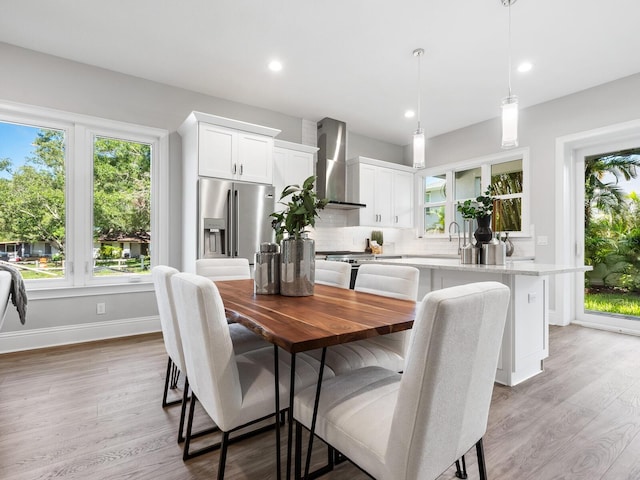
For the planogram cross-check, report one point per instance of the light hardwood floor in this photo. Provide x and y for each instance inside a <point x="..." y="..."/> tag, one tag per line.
<point x="92" y="412"/>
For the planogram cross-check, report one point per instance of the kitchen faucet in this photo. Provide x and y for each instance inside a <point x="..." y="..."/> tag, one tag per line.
<point x="455" y="230"/>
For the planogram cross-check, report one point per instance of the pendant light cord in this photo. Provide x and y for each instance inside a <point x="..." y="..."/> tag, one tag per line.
<point x="419" y="84"/>
<point x="509" y="48"/>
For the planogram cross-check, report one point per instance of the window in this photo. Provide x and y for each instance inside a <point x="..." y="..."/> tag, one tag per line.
<point x="507" y="173"/>
<point x="435" y="199"/>
<point x="121" y="206"/>
<point x="32" y="186"/>
<point x="467" y="184"/>
<point x="506" y="179"/>
<point x="81" y="198"/>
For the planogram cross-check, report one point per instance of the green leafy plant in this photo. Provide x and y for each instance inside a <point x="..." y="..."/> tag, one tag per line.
<point x="478" y="208"/>
<point x="301" y="210"/>
<point x="377" y="236"/>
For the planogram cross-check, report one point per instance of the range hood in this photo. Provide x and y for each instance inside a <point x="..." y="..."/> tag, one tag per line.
<point x="332" y="166"/>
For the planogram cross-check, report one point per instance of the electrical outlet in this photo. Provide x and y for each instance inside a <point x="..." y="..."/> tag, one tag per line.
<point x="532" y="298"/>
<point x="101" y="308"/>
<point x="543" y="240"/>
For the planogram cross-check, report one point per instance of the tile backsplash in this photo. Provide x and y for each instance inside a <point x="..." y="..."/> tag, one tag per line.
<point x="397" y="241"/>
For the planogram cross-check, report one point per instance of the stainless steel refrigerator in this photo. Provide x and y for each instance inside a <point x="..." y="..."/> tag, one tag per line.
<point x="233" y="218"/>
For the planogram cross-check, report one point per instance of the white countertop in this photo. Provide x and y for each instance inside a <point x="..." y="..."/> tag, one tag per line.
<point x="510" y="268"/>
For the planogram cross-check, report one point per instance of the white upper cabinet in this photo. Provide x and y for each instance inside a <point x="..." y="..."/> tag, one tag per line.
<point x="385" y="188"/>
<point x="292" y="165"/>
<point x="402" y="199"/>
<point x="223" y="148"/>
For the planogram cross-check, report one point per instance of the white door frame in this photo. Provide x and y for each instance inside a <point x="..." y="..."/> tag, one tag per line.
<point x="570" y="151"/>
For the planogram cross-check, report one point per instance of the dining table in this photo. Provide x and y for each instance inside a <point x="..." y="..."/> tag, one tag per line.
<point x="330" y="316"/>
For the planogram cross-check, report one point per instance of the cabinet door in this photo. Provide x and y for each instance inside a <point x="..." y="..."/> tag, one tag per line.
<point x="368" y="215"/>
<point x="217" y="153"/>
<point x="255" y="158"/>
<point x="402" y="199"/>
<point x="384" y="197"/>
<point x="290" y="167"/>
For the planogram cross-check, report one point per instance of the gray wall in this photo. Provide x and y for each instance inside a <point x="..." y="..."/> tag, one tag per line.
<point x="37" y="79"/>
<point x="360" y="145"/>
<point x="540" y="126"/>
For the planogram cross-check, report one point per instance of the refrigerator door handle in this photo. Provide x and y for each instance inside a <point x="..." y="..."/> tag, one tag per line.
<point x="229" y="233"/>
<point x="236" y="220"/>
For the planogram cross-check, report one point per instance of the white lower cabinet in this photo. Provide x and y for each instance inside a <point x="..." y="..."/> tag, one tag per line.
<point x="525" y="342"/>
<point x="385" y="188"/>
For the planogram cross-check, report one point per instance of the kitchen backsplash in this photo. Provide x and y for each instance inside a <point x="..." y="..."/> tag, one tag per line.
<point x="331" y="234"/>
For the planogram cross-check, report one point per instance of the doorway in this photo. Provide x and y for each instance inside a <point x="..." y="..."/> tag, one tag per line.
<point x="605" y="217"/>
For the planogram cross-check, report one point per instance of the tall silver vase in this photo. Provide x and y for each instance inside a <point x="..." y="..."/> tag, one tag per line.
<point x="298" y="267"/>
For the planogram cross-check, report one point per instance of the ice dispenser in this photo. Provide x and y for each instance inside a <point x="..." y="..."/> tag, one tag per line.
<point x="214" y="233"/>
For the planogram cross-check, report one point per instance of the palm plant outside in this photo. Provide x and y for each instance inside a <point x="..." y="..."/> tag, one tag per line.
<point x="612" y="234"/>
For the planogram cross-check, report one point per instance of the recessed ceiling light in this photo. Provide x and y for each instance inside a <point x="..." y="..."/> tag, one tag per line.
<point x="525" y="67"/>
<point x="275" y="66"/>
<point x="409" y="114"/>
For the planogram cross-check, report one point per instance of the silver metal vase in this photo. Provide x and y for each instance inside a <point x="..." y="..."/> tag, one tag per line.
<point x="298" y="267"/>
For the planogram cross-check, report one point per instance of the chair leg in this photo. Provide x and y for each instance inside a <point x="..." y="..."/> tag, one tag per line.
<point x="461" y="473"/>
<point x="482" y="467"/>
<point x="175" y="376"/>
<point x="172" y="377"/>
<point x="297" y="473"/>
<point x="224" y="444"/>
<point x="183" y="410"/>
<point x="187" y="441"/>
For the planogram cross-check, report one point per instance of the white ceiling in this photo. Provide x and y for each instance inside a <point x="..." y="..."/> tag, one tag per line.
<point x="346" y="59"/>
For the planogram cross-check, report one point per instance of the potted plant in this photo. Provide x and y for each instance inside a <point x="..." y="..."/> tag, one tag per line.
<point x="479" y="209"/>
<point x="297" y="251"/>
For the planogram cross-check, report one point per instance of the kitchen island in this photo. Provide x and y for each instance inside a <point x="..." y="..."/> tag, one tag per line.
<point x="525" y="343"/>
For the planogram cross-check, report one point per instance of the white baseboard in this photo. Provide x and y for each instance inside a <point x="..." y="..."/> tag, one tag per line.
<point x="633" y="330"/>
<point x="556" y="319"/>
<point x="68" y="334"/>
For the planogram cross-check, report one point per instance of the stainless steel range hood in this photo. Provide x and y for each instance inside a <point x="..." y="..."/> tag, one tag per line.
<point x="332" y="165"/>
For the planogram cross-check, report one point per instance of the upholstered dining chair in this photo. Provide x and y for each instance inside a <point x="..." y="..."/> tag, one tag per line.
<point x="387" y="351"/>
<point x="236" y="390"/>
<point x="223" y="268"/>
<point x="336" y="274"/>
<point x="5" y="287"/>
<point x="243" y="339"/>
<point x="417" y="424"/>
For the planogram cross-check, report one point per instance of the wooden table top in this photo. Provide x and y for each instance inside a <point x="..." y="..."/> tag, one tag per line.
<point x="329" y="317"/>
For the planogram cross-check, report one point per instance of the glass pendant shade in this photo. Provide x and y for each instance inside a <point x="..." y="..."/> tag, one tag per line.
<point x="510" y="122"/>
<point x="418" y="149"/>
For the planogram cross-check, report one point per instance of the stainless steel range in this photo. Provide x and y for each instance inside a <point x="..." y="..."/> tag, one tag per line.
<point x="353" y="258"/>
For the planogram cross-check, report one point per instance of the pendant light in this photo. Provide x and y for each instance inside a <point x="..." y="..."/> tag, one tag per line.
<point x="509" y="103"/>
<point x="418" y="136"/>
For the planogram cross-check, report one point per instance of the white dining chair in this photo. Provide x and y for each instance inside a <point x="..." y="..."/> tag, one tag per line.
<point x="236" y="390"/>
<point x="243" y="339"/>
<point x="5" y="288"/>
<point x="387" y="351"/>
<point x="223" y="268"/>
<point x="336" y="274"/>
<point x="417" y="424"/>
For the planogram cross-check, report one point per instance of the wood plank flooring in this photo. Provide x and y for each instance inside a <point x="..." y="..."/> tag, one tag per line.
<point x="93" y="411"/>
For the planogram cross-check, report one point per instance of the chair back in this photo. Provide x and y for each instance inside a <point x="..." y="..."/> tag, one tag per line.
<point x="208" y="350"/>
<point x="445" y="392"/>
<point x="161" y="275"/>
<point x="335" y="274"/>
<point x="397" y="281"/>
<point x="5" y="288"/>
<point x="223" y="268"/>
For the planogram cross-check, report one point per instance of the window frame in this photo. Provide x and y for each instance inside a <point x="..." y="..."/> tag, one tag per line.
<point x="79" y="133"/>
<point x="484" y="163"/>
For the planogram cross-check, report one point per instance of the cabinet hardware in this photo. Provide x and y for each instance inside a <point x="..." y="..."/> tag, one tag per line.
<point x="234" y="168"/>
<point x="241" y="168"/>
